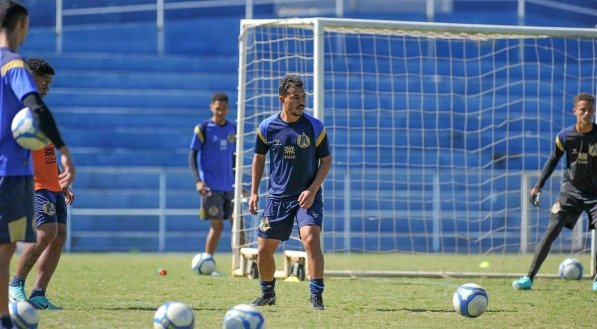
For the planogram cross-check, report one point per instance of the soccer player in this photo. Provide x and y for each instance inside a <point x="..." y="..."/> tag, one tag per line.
<point x="299" y="162"/>
<point x="578" y="191"/>
<point x="50" y="210"/>
<point x="212" y="160"/>
<point x="16" y="171"/>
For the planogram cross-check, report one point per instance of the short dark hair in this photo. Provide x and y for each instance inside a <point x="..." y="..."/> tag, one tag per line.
<point x="10" y="13"/>
<point x="585" y="97"/>
<point x="39" y="67"/>
<point x="290" y="80"/>
<point x="219" y="96"/>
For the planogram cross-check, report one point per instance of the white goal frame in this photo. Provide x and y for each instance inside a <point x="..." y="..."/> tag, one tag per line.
<point x="318" y="26"/>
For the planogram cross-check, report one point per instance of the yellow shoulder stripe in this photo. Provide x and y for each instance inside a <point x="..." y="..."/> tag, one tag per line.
<point x="15" y="63"/>
<point x="321" y="137"/>
<point x="559" y="144"/>
<point x="260" y="135"/>
<point x="199" y="133"/>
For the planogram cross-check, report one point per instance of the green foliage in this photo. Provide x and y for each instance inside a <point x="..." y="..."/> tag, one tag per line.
<point x="124" y="290"/>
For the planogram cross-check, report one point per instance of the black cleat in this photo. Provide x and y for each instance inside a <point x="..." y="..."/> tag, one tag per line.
<point x="264" y="300"/>
<point x="317" y="302"/>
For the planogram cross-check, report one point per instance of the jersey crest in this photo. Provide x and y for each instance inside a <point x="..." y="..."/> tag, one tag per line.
<point x="593" y="150"/>
<point x="303" y="141"/>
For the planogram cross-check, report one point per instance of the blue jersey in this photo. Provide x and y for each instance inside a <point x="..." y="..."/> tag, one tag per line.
<point x="16" y="84"/>
<point x="295" y="149"/>
<point x="215" y="146"/>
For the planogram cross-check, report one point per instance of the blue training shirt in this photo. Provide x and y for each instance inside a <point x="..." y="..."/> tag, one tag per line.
<point x="295" y="149"/>
<point x="17" y="82"/>
<point x="215" y="146"/>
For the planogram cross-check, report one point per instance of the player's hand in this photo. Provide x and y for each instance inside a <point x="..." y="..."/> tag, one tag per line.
<point x="535" y="196"/>
<point x="202" y="188"/>
<point x="69" y="195"/>
<point x="306" y="199"/>
<point x="67" y="176"/>
<point x="253" y="202"/>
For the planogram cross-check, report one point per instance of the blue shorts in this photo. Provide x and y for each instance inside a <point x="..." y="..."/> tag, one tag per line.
<point x="50" y="207"/>
<point x="16" y="209"/>
<point x="218" y="205"/>
<point x="279" y="215"/>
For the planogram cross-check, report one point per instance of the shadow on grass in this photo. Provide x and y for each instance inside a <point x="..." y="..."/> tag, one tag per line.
<point x="424" y="310"/>
<point x="146" y="308"/>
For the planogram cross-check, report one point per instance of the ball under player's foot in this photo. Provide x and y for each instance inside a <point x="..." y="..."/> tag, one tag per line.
<point x="522" y="283"/>
<point x="317" y="302"/>
<point x="265" y="300"/>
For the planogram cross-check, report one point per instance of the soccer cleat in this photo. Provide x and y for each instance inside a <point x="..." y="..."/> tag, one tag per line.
<point x="522" y="283"/>
<point x="264" y="300"/>
<point x="43" y="303"/>
<point x="16" y="293"/>
<point x="595" y="283"/>
<point x="317" y="302"/>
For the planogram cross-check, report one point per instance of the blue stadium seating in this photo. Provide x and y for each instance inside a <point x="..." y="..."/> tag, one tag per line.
<point x="122" y="99"/>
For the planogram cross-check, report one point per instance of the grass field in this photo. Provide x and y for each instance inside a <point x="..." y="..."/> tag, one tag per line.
<point x="124" y="290"/>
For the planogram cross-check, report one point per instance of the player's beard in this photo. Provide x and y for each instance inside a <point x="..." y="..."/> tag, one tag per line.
<point x="298" y="111"/>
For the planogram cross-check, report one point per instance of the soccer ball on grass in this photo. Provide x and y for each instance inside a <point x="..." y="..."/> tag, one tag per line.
<point x="203" y="263"/>
<point x="244" y="316"/>
<point x="174" y="315"/>
<point x="470" y="300"/>
<point x="571" y="269"/>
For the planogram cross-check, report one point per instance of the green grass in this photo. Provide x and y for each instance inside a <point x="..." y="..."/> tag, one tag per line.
<point x="124" y="290"/>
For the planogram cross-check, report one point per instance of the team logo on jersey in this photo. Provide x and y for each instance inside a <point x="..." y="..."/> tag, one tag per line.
<point x="593" y="150"/>
<point x="289" y="152"/>
<point x="582" y="158"/>
<point x="303" y="141"/>
<point x="49" y="209"/>
<point x="231" y="138"/>
<point x="213" y="211"/>
<point x="556" y="207"/>
<point x="264" y="224"/>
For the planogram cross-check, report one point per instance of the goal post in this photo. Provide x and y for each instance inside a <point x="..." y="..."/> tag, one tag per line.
<point x="434" y="129"/>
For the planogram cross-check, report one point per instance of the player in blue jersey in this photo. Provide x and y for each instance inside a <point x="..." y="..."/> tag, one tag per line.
<point x="578" y="191"/>
<point x="18" y="90"/>
<point x="299" y="162"/>
<point x="212" y="160"/>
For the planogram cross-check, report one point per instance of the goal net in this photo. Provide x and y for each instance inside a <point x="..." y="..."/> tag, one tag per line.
<point x="437" y="131"/>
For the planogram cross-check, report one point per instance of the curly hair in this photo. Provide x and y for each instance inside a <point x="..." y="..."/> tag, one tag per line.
<point x="39" y="67"/>
<point x="289" y="81"/>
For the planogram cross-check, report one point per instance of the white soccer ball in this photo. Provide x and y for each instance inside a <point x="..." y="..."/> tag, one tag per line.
<point x="244" y="316"/>
<point x="470" y="300"/>
<point x="203" y="263"/>
<point x="174" y="315"/>
<point x="23" y="314"/>
<point x="26" y="131"/>
<point x="571" y="269"/>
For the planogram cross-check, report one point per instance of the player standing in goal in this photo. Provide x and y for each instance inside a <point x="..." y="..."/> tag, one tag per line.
<point x="299" y="162"/>
<point x="212" y="161"/>
<point x="51" y="200"/>
<point x="578" y="192"/>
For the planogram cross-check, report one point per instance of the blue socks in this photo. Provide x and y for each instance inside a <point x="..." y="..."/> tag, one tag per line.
<point x="316" y="286"/>
<point x="37" y="292"/>
<point x="6" y="322"/>
<point x="267" y="287"/>
<point x="17" y="281"/>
